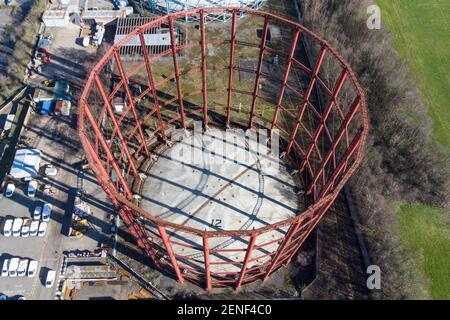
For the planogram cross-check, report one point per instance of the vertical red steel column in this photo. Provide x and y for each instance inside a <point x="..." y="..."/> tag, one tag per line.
<point x="338" y="138"/>
<point x="204" y="89"/>
<point x="248" y="254"/>
<point x="132" y="225"/>
<point x="262" y="48"/>
<point x="287" y="239"/>
<point x="151" y="82"/>
<point x="340" y="83"/>
<point x="105" y="146"/>
<point x="173" y="260"/>
<point x="177" y="72"/>
<point x="285" y="78"/>
<point x="348" y="153"/>
<point x="231" y="73"/>
<point x="207" y="262"/>
<point x="135" y="230"/>
<point x="107" y="184"/>
<point x="305" y="235"/>
<point x="116" y="126"/>
<point x="130" y="98"/>
<point x="304" y="105"/>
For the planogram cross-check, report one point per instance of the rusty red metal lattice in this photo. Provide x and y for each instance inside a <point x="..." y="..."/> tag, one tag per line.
<point x="323" y="135"/>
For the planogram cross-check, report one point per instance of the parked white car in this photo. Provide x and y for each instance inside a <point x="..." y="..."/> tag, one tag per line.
<point x="25" y="231"/>
<point x="7" y="227"/>
<point x="37" y="212"/>
<point x="5" y="268"/>
<point x="42" y="228"/>
<point x="32" y="188"/>
<point x="23" y="267"/>
<point x="10" y="188"/>
<point x="46" y="211"/>
<point x="50" y="280"/>
<point x="32" y="269"/>
<point x="17" y="227"/>
<point x="34" y="227"/>
<point x="13" y="265"/>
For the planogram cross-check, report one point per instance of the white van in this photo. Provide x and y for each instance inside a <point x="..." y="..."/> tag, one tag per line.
<point x="10" y="190"/>
<point x="46" y="211"/>
<point x="42" y="228"/>
<point x="32" y="188"/>
<point x="34" y="227"/>
<point x="13" y="265"/>
<point x="32" y="268"/>
<point x="23" y="267"/>
<point x="7" y="227"/>
<point x="25" y="232"/>
<point x="50" y="279"/>
<point x="5" y="268"/>
<point x="17" y="227"/>
<point x="37" y="212"/>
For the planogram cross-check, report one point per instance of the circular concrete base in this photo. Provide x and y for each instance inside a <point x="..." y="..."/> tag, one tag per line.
<point x="214" y="182"/>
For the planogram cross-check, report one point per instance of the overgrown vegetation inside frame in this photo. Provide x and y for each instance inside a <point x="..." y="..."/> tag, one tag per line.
<point x="402" y="163"/>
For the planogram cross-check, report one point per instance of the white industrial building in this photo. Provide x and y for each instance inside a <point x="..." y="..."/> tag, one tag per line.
<point x="26" y="163"/>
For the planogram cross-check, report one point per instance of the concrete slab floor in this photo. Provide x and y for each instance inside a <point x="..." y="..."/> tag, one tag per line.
<point x="213" y="182"/>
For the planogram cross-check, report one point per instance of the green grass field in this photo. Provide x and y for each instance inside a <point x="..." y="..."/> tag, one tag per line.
<point x="421" y="31"/>
<point x="424" y="235"/>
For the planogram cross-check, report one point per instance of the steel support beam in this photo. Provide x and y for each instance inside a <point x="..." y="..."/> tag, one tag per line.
<point x="151" y="81"/>
<point x="105" y="146"/>
<point x="329" y="108"/>
<point x="338" y="138"/>
<point x="248" y="254"/>
<point x="177" y="72"/>
<point x="116" y="126"/>
<point x="204" y="88"/>
<point x="129" y="220"/>
<point x="259" y="70"/>
<point x="207" y="262"/>
<point x="304" y="105"/>
<point x="348" y="153"/>
<point x="285" y="78"/>
<point x="281" y="248"/>
<point x="173" y="260"/>
<point x="308" y="231"/>
<point x="94" y="154"/>
<point x="138" y="233"/>
<point x="231" y="72"/>
<point x="130" y="98"/>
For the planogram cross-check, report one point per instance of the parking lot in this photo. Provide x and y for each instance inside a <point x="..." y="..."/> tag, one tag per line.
<point x="57" y="140"/>
<point x="45" y="250"/>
